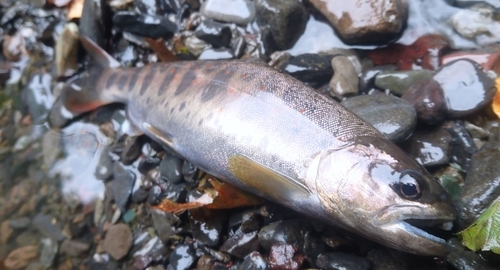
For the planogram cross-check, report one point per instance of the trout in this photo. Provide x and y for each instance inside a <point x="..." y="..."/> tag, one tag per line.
<point x="266" y="132"/>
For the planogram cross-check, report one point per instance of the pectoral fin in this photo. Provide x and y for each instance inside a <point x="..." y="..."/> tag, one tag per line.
<point x="163" y="138"/>
<point x="265" y="180"/>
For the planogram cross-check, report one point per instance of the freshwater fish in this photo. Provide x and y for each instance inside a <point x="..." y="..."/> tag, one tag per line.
<point x="266" y="132"/>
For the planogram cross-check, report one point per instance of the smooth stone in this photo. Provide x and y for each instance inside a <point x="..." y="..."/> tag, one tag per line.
<point x="427" y="98"/>
<point x="240" y="244"/>
<point x="386" y="21"/>
<point x="462" y="142"/>
<point x="144" y="25"/>
<point x="45" y="225"/>
<point x="206" y="226"/>
<point x="164" y="224"/>
<point x="284" y="21"/>
<point x="21" y="257"/>
<point x="338" y="260"/>
<point x="171" y="169"/>
<point x="189" y="171"/>
<point x="368" y="75"/>
<point x="37" y="95"/>
<point x="430" y="147"/>
<point x="154" y="196"/>
<point x="313" y="246"/>
<point x="382" y="259"/>
<point x="104" y="169"/>
<point x="254" y="261"/>
<point x="479" y="22"/>
<point x="118" y="241"/>
<point x="182" y="257"/>
<point x="289" y="232"/>
<point x="215" y="33"/>
<point x="394" y="117"/>
<point x="49" y="249"/>
<point x="148" y="164"/>
<point x="132" y="149"/>
<point x="123" y="184"/>
<point x="488" y="58"/>
<point x="140" y="195"/>
<point x="195" y="45"/>
<point x="312" y="69"/>
<point x="463" y="259"/>
<point x="281" y="256"/>
<point x="398" y="82"/>
<point x="233" y="11"/>
<point x="74" y="248"/>
<point x="19" y="223"/>
<point x="5" y="232"/>
<point x="482" y="184"/>
<point x="216" y="54"/>
<point x="344" y="82"/>
<point x="466" y="87"/>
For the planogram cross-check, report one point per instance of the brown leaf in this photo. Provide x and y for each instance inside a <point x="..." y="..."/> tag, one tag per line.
<point x="75" y="10"/>
<point x="169" y="206"/>
<point x="230" y="196"/>
<point x="496" y="99"/>
<point x="161" y="50"/>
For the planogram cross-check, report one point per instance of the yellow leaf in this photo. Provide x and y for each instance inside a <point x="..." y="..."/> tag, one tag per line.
<point x="496" y="99"/>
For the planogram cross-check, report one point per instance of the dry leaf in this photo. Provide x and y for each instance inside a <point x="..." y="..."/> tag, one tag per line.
<point x="230" y="196"/>
<point x="496" y="99"/>
<point x="169" y="206"/>
<point x="161" y="50"/>
<point x="75" y="10"/>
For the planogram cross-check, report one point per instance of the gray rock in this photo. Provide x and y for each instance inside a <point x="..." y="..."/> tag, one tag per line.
<point x="240" y="244"/>
<point x="104" y="169"/>
<point x="312" y="69"/>
<point x="48" y="252"/>
<point x="462" y="142"/>
<point x="171" y="169"/>
<point x="74" y="248"/>
<point x="462" y="259"/>
<point x="399" y="81"/>
<point x="338" y="260"/>
<point x="254" y="261"/>
<point x="45" y="225"/>
<point x="392" y="116"/>
<point x="37" y="95"/>
<point x="217" y="34"/>
<point x="430" y="147"/>
<point x="206" y="226"/>
<point x="118" y="241"/>
<point x="164" y="224"/>
<point x="122" y="185"/>
<point x="289" y="232"/>
<point x="345" y="78"/>
<point x="182" y="257"/>
<point x="19" y="223"/>
<point x="233" y="11"/>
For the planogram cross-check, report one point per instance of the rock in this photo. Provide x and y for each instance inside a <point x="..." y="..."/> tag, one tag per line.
<point x="398" y="82"/>
<point x="206" y="226"/>
<point x="488" y="58"/>
<point x="118" y="241"/>
<point x="430" y="147"/>
<point x="216" y="54"/>
<point x="240" y="244"/>
<point x="67" y="51"/>
<point x="382" y="259"/>
<point x="205" y="262"/>
<point x="144" y="25"/>
<point x="217" y="255"/>
<point x="132" y="149"/>
<point x="386" y="21"/>
<point x="462" y="259"/>
<point x="282" y="256"/>
<point x="254" y="261"/>
<point x="427" y="98"/>
<point x="19" y="223"/>
<point x="479" y="22"/>
<point x="392" y="116"/>
<point x="338" y="260"/>
<point x="425" y="53"/>
<point x="368" y="75"/>
<point x="238" y="45"/>
<point x="217" y="34"/>
<point x="345" y="78"/>
<point x="14" y="47"/>
<point x="74" y="248"/>
<point x="46" y="226"/>
<point x="5" y="232"/>
<point x="233" y="11"/>
<point x="289" y="232"/>
<point x="284" y="21"/>
<point x="312" y="69"/>
<point x="123" y="184"/>
<point x="482" y="184"/>
<point x="171" y="169"/>
<point x="148" y="164"/>
<point x="466" y="88"/>
<point x="195" y="45"/>
<point x="189" y="171"/>
<point x="153" y="251"/>
<point x="21" y="257"/>
<point x="182" y="257"/>
<point x="140" y="195"/>
<point x="95" y="22"/>
<point x="37" y="95"/>
<point x="104" y="169"/>
<point x="313" y="246"/>
<point x="462" y="144"/>
<point x="164" y="224"/>
<point x="155" y="195"/>
<point x="48" y="252"/>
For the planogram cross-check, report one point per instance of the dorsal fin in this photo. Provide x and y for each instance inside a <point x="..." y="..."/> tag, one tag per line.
<point x="98" y="54"/>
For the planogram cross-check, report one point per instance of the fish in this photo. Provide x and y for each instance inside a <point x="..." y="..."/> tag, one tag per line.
<point x="256" y="128"/>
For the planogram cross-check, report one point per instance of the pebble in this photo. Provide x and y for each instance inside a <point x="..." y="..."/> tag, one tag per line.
<point x="140" y="195"/>
<point x="182" y="257"/>
<point x="313" y="246"/>
<point x="344" y="82"/>
<point x="464" y="259"/>
<point x="427" y="98"/>
<point x="466" y="87"/>
<point x="368" y="75"/>
<point x="281" y="256"/>
<point x="37" y="95"/>
<point x="214" y="33"/>
<point x="189" y="171"/>
<point x="283" y="22"/>
<point x="118" y="241"/>
<point x="488" y="58"/>
<point x="132" y="149"/>
<point x="21" y="257"/>
<point x="398" y="82"/>
<point x="19" y="223"/>
<point x="123" y="184"/>
<point x="482" y="184"/>
<point x="216" y="54"/>
<point x="382" y="259"/>
<point x="164" y="224"/>
<point x="386" y="21"/>
<point x="155" y="195"/>
<point x="394" y="117"/>
<point x="5" y="231"/>
<point x="338" y="260"/>
<point x="45" y="225"/>
<point x="462" y="143"/>
<point x="171" y="169"/>
<point x="240" y="244"/>
<point x="195" y="45"/>
<point x="104" y="169"/>
<point x="206" y="226"/>
<point x="430" y="147"/>
<point x="479" y="22"/>
<point x="66" y="55"/>
<point x="48" y="252"/>
<point x="74" y="248"/>
<point x="232" y="11"/>
<point x="254" y="261"/>
<point x="312" y="69"/>
<point x="148" y="164"/>
<point x="289" y="232"/>
<point x="144" y="25"/>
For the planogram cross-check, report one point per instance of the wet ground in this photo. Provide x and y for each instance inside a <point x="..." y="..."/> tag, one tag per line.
<point x="82" y="194"/>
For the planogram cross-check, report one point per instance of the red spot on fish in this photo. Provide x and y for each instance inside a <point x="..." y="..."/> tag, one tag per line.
<point x="195" y="82"/>
<point x="245" y="75"/>
<point x="172" y="70"/>
<point x="302" y="111"/>
<point x="232" y="90"/>
<point x="176" y="78"/>
<point x="261" y="87"/>
<point x="228" y="72"/>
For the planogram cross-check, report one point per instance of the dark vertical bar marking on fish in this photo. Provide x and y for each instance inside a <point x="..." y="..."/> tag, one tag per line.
<point x="111" y="79"/>
<point x="183" y="105"/>
<point x="122" y="81"/>
<point x="186" y="82"/>
<point x="133" y="79"/>
<point x="166" y="80"/>
<point x="217" y="84"/>
<point x="147" y="80"/>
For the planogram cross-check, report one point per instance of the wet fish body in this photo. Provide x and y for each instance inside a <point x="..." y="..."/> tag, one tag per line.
<point x="266" y="132"/>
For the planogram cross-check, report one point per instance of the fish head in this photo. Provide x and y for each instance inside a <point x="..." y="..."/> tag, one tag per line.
<point x="372" y="187"/>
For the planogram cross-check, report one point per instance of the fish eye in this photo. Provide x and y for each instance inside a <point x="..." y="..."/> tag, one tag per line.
<point x="409" y="185"/>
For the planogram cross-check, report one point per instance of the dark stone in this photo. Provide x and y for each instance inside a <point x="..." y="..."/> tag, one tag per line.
<point x="428" y="99"/>
<point x="287" y="232"/>
<point x="144" y="25"/>
<point x="217" y="255"/>
<point x="104" y="169"/>
<point x="140" y="195"/>
<point x="399" y="81"/>
<point x="19" y="223"/>
<point x="254" y="261"/>
<point x="464" y="259"/>
<point x="74" y="248"/>
<point x="284" y="21"/>
<point x="217" y="34"/>
<point x="37" y="95"/>
<point x="337" y="261"/>
<point x="148" y="164"/>
<point x="171" y="169"/>
<point x="122" y="185"/>
<point x="430" y="147"/>
<point x="238" y="45"/>
<point x="394" y="117"/>
<point x="462" y="144"/>
<point x="155" y="193"/>
<point x="206" y="226"/>
<point x="189" y="171"/>
<point x="282" y="256"/>
<point x="367" y="77"/>
<point x="240" y="244"/>
<point x="164" y="224"/>
<point x="183" y="256"/>
<point x="43" y="223"/>
<point x="132" y="149"/>
<point x="313" y="69"/>
<point x="313" y="246"/>
<point x="95" y="22"/>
